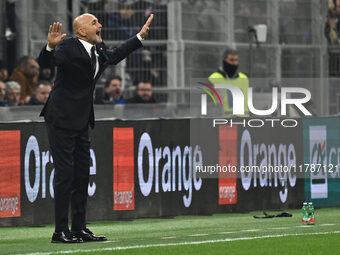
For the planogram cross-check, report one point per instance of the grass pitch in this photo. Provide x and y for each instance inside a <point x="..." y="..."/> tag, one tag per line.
<point x="229" y="233"/>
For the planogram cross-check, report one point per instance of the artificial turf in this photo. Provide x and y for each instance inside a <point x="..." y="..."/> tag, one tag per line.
<point x="229" y="233"/>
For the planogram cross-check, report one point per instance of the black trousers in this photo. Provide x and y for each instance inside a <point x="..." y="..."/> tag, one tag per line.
<point x="71" y="158"/>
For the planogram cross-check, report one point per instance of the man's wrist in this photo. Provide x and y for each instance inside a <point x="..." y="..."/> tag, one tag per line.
<point x="48" y="48"/>
<point x="139" y="37"/>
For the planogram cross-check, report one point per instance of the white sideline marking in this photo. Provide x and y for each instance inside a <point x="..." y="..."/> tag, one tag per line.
<point x="195" y="235"/>
<point x="222" y="233"/>
<point x="250" y="230"/>
<point x="115" y="241"/>
<point x="279" y="228"/>
<point x="178" y="244"/>
<point x="168" y="237"/>
<point x="305" y="226"/>
<point x="328" y="224"/>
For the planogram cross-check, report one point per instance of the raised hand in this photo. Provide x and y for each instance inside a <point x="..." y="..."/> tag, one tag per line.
<point x="54" y="35"/>
<point x="145" y="29"/>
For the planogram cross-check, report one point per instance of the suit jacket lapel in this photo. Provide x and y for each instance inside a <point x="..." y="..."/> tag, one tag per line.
<point x="83" y="51"/>
<point x="85" y="55"/>
<point x="101" y="48"/>
<point x="102" y="58"/>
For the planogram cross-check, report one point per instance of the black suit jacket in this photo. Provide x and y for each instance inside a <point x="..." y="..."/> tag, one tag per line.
<point x="70" y="104"/>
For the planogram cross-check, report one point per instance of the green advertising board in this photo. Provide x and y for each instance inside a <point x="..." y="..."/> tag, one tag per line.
<point x="321" y="143"/>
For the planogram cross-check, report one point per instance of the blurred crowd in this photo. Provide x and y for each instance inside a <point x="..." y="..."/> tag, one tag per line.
<point x="30" y="84"/>
<point x="122" y="21"/>
<point x="332" y="34"/>
<point x="332" y="26"/>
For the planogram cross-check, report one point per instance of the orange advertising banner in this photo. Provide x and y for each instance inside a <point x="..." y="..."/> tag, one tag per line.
<point x="10" y="174"/>
<point x="123" y="169"/>
<point x="227" y="179"/>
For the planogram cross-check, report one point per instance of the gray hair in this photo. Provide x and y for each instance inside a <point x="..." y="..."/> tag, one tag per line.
<point x="12" y="85"/>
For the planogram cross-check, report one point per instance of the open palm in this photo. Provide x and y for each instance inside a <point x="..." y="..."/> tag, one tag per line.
<point x="55" y="35"/>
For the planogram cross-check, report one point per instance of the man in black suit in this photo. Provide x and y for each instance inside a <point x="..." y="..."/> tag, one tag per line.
<point x="68" y="113"/>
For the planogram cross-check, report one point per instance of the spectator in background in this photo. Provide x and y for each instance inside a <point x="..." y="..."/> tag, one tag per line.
<point x="228" y="74"/>
<point x="13" y="93"/>
<point x="144" y="9"/>
<point x="2" y="94"/>
<point x="46" y="74"/>
<point x="3" y="72"/>
<point x="153" y="64"/>
<point x="332" y="27"/>
<point x="143" y="94"/>
<point x="332" y="34"/>
<point x="113" y="91"/>
<point x="122" y="24"/>
<point x="152" y="59"/>
<point x="334" y="7"/>
<point x="26" y="74"/>
<point x="244" y="10"/>
<point x="41" y="93"/>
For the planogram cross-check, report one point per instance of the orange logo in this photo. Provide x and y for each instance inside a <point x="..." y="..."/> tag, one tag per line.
<point x="123" y="169"/>
<point x="227" y="189"/>
<point x="10" y="174"/>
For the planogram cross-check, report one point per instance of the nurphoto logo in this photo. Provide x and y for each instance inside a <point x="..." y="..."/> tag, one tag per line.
<point x="239" y="99"/>
<point x="280" y="101"/>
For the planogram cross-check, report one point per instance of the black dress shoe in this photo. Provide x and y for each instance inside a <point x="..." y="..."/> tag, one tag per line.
<point x="87" y="236"/>
<point x="65" y="237"/>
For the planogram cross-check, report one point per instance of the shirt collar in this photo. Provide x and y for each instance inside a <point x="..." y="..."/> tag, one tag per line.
<point x="87" y="46"/>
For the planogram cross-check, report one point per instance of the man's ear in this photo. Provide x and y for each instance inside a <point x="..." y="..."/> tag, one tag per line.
<point x="81" y="32"/>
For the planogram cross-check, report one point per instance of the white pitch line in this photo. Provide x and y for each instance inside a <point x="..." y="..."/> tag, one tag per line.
<point x="222" y="233"/>
<point x="328" y="224"/>
<point x="279" y="228"/>
<point x="178" y="244"/>
<point x="250" y="230"/>
<point x="115" y="241"/>
<point x="168" y="237"/>
<point x="195" y="235"/>
<point x="305" y="226"/>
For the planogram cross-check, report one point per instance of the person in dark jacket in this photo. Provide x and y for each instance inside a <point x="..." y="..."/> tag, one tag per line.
<point x="13" y="93"/>
<point x="68" y="113"/>
<point x="143" y="94"/>
<point x="41" y="93"/>
<point x="3" y="94"/>
<point x="113" y="91"/>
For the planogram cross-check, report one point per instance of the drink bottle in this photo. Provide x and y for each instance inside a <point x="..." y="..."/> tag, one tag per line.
<point x="311" y="213"/>
<point x="304" y="213"/>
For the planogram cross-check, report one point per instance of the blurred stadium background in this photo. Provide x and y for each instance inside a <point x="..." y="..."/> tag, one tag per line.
<point x="188" y="38"/>
<point x="186" y="43"/>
